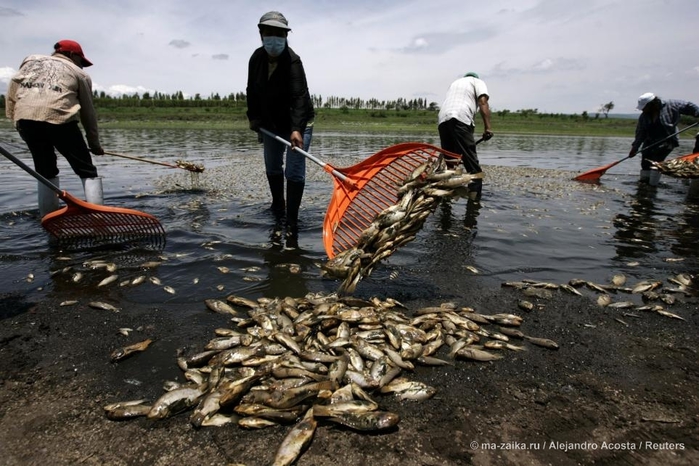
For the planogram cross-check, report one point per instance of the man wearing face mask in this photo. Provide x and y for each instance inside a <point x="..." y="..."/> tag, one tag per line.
<point x="279" y="101"/>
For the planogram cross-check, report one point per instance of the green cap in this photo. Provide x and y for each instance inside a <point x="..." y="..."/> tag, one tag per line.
<point x="472" y="73"/>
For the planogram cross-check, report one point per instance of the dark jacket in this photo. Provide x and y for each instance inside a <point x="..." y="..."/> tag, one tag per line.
<point x="650" y="130"/>
<point x="282" y="103"/>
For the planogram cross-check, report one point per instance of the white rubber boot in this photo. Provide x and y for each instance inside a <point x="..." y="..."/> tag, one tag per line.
<point x="654" y="178"/>
<point x="645" y="176"/>
<point x="48" y="199"/>
<point x="93" y="190"/>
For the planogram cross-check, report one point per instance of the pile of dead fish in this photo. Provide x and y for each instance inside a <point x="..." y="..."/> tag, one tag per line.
<point x="321" y="359"/>
<point x="192" y="167"/>
<point x="681" y="167"/>
<point x="652" y="292"/>
<point x="397" y="225"/>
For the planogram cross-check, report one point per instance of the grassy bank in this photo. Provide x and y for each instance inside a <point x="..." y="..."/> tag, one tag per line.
<point x="412" y="121"/>
<point x="350" y="120"/>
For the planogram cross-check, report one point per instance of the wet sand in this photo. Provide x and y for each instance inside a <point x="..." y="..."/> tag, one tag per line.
<point x="620" y="390"/>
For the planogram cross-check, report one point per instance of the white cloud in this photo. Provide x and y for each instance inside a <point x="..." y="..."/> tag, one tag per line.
<point x="560" y="56"/>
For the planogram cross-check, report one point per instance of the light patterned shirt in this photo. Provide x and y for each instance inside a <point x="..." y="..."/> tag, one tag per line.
<point x="461" y="101"/>
<point x="55" y="90"/>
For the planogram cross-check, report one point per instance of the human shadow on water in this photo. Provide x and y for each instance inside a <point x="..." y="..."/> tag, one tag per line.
<point x="636" y="232"/>
<point x="286" y="266"/>
<point x="685" y="230"/>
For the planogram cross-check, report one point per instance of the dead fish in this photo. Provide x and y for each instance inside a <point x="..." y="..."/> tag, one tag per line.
<point x="296" y="440"/>
<point x="669" y="314"/>
<point x="218" y="420"/>
<point x="477" y="354"/>
<point x="570" y="289"/>
<point x="621" y="305"/>
<point x="219" y="306"/>
<point x="103" y="306"/>
<point x="543" y="342"/>
<point x="525" y="305"/>
<point x="126" y="410"/>
<point x="646" y="286"/>
<point x="681" y="279"/>
<point x="126" y="351"/>
<point x="77" y="276"/>
<point x="69" y="302"/>
<point x="223" y="269"/>
<point x="595" y="287"/>
<point x="108" y="280"/>
<point x="138" y="280"/>
<point x="169" y="289"/>
<point x="254" y="422"/>
<point x="174" y="402"/>
<point x="155" y="280"/>
<point x="240" y="301"/>
<point x="604" y="300"/>
<point x="619" y="279"/>
<point x="367" y="422"/>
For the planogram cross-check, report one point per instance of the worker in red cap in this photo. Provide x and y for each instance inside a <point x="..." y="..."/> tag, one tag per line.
<point x="46" y="99"/>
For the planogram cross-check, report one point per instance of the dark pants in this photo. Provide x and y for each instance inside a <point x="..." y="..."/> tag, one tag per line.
<point x="42" y="138"/>
<point x="656" y="154"/>
<point x="457" y="137"/>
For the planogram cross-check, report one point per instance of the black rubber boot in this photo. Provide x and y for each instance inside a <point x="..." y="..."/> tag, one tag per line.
<point x="475" y="190"/>
<point x="294" y="193"/>
<point x="276" y="187"/>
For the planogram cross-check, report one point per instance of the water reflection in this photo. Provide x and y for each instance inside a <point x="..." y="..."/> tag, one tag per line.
<point x="286" y="272"/>
<point x="532" y="221"/>
<point x="637" y="230"/>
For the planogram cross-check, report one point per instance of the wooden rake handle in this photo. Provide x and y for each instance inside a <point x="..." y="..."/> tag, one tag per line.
<point x="141" y="159"/>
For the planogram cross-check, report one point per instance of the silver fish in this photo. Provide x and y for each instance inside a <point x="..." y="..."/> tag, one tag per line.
<point x="102" y="305"/>
<point x="108" y="280"/>
<point x="296" y="441"/>
<point x="372" y="421"/>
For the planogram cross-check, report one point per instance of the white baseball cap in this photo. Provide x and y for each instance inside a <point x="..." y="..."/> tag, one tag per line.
<point x="644" y="100"/>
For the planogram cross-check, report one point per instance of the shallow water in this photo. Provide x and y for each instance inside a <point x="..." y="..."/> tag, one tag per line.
<point x="533" y="222"/>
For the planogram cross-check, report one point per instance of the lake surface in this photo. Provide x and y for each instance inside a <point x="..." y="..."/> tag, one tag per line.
<point x="533" y="222"/>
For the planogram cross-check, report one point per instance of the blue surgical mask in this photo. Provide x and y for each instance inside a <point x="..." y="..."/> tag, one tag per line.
<point x="274" y="45"/>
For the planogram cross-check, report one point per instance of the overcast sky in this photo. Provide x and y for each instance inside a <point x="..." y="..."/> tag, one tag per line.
<point x="558" y="56"/>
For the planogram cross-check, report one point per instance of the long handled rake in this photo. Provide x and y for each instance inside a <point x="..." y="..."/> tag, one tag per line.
<point x="178" y="164"/>
<point x="84" y="224"/>
<point x="596" y="174"/>
<point x="364" y="190"/>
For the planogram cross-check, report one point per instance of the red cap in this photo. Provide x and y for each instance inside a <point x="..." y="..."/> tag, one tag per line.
<point x="74" y="47"/>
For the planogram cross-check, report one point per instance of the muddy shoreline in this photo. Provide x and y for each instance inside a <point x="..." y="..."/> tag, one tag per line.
<point x="620" y="389"/>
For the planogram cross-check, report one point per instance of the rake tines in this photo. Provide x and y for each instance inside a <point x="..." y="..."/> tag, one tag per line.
<point x="78" y="227"/>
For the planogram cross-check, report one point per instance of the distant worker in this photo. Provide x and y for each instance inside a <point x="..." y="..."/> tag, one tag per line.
<point x="279" y="101"/>
<point x="46" y="98"/>
<point x="466" y="96"/>
<point x="657" y="126"/>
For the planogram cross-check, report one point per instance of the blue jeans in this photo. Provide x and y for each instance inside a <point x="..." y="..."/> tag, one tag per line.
<point x="295" y="162"/>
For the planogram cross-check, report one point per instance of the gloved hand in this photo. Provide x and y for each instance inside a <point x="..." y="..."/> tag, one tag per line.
<point x="487" y="135"/>
<point x="255" y="125"/>
<point x="632" y="153"/>
<point x="97" y="151"/>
